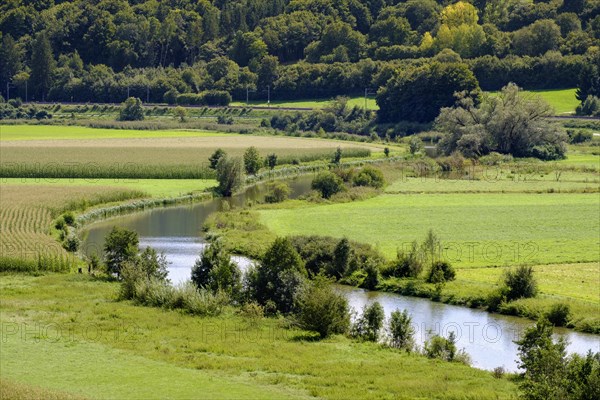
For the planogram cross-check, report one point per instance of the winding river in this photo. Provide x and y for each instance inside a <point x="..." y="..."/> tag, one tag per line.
<point x="487" y="338"/>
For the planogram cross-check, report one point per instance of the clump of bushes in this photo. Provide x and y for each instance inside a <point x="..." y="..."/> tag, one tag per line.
<point x="321" y="309"/>
<point x="441" y="271"/>
<point x="327" y="184"/>
<point x="206" y="98"/>
<point x="589" y="106"/>
<point x="368" y="326"/>
<point x="369" y="176"/>
<point x="277" y="192"/>
<point x="131" y="110"/>
<point x="559" y="314"/>
<point x="445" y="349"/>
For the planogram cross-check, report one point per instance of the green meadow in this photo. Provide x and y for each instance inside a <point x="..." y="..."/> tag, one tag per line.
<point x="562" y="100"/>
<point x="111" y="349"/>
<point x="478" y="229"/>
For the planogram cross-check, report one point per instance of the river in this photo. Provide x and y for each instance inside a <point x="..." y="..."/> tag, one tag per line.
<point x="487" y="338"/>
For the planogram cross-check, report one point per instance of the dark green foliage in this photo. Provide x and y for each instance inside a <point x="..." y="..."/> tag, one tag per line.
<point x="328" y="184"/>
<point x="441" y="347"/>
<point x="559" y="314"/>
<point x="322" y="310"/>
<point x="371" y="280"/>
<point x="401" y="330"/>
<point x="42" y="65"/>
<point x="589" y="106"/>
<point x="252" y="160"/>
<point x="229" y="175"/>
<point x="319" y="254"/>
<point x="549" y="373"/>
<point x="369" y="176"/>
<point x="407" y="264"/>
<point x="510" y="123"/>
<point x="215" y="271"/>
<point x="131" y="110"/>
<point x="71" y="243"/>
<point x="271" y="161"/>
<point x="120" y="246"/>
<point x="69" y="218"/>
<point x="225" y="120"/>
<point x="342" y="256"/>
<point x="278" y="277"/>
<point x="277" y="192"/>
<point x="369" y="324"/>
<point x="440" y="272"/>
<point x="206" y="98"/>
<point x="520" y="283"/>
<point x="419" y="94"/>
<point x="215" y="157"/>
<point x="579" y="136"/>
<point x="337" y="157"/>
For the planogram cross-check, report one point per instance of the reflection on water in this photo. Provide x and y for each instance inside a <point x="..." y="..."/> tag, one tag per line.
<point x="487" y="338"/>
<point x="176" y="231"/>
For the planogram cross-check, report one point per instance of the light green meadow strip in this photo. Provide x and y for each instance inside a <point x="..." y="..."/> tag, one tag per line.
<point x="562" y="100"/>
<point x="154" y="187"/>
<point x="56" y="132"/>
<point x="478" y="229"/>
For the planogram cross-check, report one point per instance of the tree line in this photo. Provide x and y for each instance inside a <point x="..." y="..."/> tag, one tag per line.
<point x="109" y="50"/>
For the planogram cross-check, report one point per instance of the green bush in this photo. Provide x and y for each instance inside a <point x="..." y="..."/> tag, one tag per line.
<point x="322" y="310"/>
<point x="328" y="184"/>
<point x="215" y="271"/>
<point x="230" y="175"/>
<point x="401" y="331"/>
<point x="69" y="218"/>
<point x="579" y="136"/>
<point x="369" y="176"/>
<point x="277" y="278"/>
<point x="520" y="283"/>
<point x="71" y="243"/>
<point x="590" y="106"/>
<point x="131" y="110"/>
<point x="277" y="192"/>
<point x="369" y="324"/>
<point x="441" y="271"/>
<point x="225" y="120"/>
<point x="407" y="264"/>
<point x="559" y="314"/>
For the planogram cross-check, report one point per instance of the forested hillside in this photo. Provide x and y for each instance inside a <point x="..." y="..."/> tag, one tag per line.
<point x="107" y="50"/>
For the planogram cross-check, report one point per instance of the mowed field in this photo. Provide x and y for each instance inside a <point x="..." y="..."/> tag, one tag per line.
<point x="112" y="349"/>
<point x="479" y="229"/>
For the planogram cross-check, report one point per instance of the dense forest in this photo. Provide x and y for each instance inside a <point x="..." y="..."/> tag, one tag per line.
<point x="108" y="50"/>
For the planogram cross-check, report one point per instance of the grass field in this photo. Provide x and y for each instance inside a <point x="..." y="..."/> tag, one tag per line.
<point x="570" y="281"/>
<point x="111" y="349"/>
<point x="478" y="229"/>
<point x="562" y="100"/>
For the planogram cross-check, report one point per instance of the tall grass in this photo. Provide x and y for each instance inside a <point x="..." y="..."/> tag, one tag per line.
<point x="96" y="171"/>
<point x="43" y="262"/>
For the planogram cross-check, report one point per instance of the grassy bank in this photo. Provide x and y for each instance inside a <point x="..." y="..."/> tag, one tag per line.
<point x="148" y="352"/>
